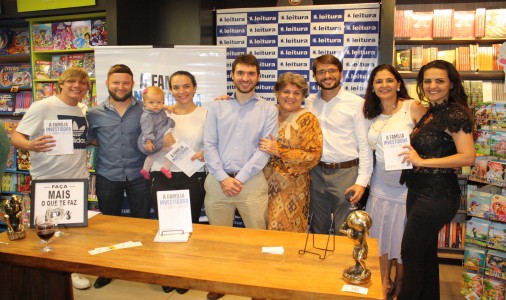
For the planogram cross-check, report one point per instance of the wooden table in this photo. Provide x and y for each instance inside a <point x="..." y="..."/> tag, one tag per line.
<point x="220" y="259"/>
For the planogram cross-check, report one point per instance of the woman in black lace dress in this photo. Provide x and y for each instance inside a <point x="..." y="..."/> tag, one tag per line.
<point x="441" y="142"/>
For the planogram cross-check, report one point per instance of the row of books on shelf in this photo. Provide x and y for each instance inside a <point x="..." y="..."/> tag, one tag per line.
<point x="490" y="115"/>
<point x="486" y="233"/>
<point x="15" y="183"/>
<point x="485" y="261"/>
<point x="479" y="92"/>
<point x="487" y="169"/>
<point x="52" y="69"/>
<point x="490" y="143"/>
<point x="477" y="286"/>
<point x="466" y="58"/>
<point x="18" y="160"/>
<point x="15" y="103"/>
<point x="452" y="236"/>
<point x="16" y="74"/>
<point x="14" y="41"/>
<point x="449" y="23"/>
<point x="487" y="203"/>
<point x="69" y="35"/>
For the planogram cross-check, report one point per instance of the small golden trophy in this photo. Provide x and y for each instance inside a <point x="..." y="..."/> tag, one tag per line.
<point x="14" y="209"/>
<point x="357" y="227"/>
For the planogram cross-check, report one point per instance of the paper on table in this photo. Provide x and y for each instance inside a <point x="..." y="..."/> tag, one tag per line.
<point x="181" y="155"/>
<point x="61" y="131"/>
<point x="273" y="250"/>
<point x="393" y="141"/>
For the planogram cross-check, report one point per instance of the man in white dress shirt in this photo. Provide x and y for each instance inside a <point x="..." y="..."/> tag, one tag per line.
<point x="346" y="163"/>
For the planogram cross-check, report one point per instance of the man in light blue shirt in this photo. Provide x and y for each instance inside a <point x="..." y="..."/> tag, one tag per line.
<point x="231" y="148"/>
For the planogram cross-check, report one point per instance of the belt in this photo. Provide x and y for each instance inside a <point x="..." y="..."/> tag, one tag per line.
<point x="341" y="165"/>
<point x="232" y="174"/>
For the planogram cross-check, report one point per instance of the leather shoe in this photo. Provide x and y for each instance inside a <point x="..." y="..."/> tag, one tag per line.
<point x="214" y="296"/>
<point x="101" y="282"/>
<point x="181" y="291"/>
<point x="167" y="289"/>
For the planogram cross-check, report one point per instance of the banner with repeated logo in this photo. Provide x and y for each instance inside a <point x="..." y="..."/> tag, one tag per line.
<point x="290" y="38"/>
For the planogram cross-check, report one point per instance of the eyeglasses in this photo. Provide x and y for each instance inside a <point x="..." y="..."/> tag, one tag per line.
<point x="330" y="71"/>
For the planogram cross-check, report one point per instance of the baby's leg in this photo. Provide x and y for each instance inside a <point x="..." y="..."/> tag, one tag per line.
<point x="165" y="169"/>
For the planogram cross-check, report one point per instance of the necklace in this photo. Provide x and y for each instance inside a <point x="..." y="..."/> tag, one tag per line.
<point x="379" y="129"/>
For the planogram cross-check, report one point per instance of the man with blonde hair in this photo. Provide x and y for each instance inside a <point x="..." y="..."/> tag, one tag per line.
<point x="73" y="83"/>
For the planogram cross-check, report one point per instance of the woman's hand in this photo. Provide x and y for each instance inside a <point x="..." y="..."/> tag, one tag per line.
<point x="168" y="140"/>
<point x="269" y="145"/>
<point x="198" y="155"/>
<point x="411" y="156"/>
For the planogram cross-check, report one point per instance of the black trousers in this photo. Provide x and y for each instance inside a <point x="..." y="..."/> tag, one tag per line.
<point x="433" y="200"/>
<point x="180" y="181"/>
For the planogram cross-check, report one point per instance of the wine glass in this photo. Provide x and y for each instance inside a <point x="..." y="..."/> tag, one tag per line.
<point x="45" y="230"/>
<point x="348" y="197"/>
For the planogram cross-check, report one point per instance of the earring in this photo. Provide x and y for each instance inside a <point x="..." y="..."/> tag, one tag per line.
<point x="373" y="91"/>
<point x="398" y="89"/>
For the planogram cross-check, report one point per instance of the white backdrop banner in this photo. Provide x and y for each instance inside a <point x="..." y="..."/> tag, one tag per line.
<point x="290" y="38"/>
<point x="153" y="66"/>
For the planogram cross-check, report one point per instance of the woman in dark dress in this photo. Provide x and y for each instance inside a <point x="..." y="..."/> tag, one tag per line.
<point x="441" y="142"/>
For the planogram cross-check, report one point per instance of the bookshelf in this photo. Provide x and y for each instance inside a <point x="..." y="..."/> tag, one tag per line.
<point x="65" y="49"/>
<point x="436" y="34"/>
<point x="15" y="94"/>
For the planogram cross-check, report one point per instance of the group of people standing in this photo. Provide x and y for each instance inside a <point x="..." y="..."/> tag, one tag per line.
<point x="285" y="167"/>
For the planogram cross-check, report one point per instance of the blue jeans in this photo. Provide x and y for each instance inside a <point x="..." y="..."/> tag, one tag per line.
<point x="110" y="196"/>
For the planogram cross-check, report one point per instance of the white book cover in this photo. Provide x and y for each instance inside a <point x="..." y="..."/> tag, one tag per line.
<point x="61" y="131"/>
<point x="181" y="155"/>
<point x="174" y="216"/>
<point x="393" y="141"/>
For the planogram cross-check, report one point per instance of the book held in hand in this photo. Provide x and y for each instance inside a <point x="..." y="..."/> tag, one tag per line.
<point x="61" y="131"/>
<point x="393" y="142"/>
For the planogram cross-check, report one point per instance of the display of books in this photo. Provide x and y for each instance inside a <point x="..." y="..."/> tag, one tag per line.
<point x="42" y="69"/>
<point x="474" y="259"/>
<point x="497" y="236"/>
<point x="7" y="103"/>
<point x="498" y="208"/>
<point x="19" y="43"/>
<point x="89" y="64"/>
<point x="75" y="60"/>
<point x="463" y="24"/>
<point x="477" y="231"/>
<point x="81" y="34"/>
<point x="62" y="35"/>
<point x="98" y="32"/>
<point x="478" y="204"/>
<point x="495" y="264"/>
<point x="482" y="142"/>
<point x="471" y="285"/>
<point x="42" y="36"/>
<point x="493" y="288"/>
<point x="23" y="160"/>
<point x="58" y="65"/>
<point x="495" y="24"/>
<point x="403" y="59"/>
<point x="15" y="75"/>
<point x="11" y="160"/>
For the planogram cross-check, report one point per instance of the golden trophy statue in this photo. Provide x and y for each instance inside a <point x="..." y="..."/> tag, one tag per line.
<point x="14" y="209"/>
<point x="357" y="227"/>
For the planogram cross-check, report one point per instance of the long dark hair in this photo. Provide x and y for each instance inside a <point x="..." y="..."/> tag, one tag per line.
<point x="457" y="92"/>
<point x="372" y="104"/>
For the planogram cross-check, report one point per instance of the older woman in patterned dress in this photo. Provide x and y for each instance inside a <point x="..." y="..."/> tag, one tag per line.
<point x="296" y="151"/>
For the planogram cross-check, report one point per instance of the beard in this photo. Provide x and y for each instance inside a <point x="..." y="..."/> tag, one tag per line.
<point x="116" y="98"/>
<point x="332" y="87"/>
